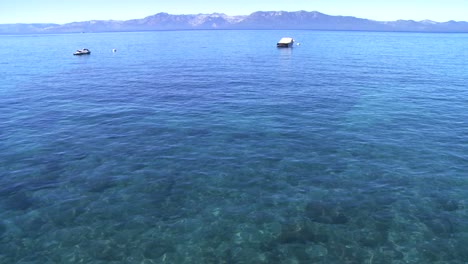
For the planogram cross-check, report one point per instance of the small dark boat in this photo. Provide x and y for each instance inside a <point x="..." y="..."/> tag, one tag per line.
<point x="285" y="43"/>
<point x="82" y="52"/>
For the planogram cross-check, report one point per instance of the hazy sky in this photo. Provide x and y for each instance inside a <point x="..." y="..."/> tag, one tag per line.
<point x="64" y="11"/>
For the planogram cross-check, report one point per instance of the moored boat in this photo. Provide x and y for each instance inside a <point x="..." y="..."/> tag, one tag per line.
<point x="285" y="42"/>
<point x="82" y="52"/>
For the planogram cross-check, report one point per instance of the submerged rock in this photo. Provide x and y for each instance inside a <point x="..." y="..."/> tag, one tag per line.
<point x="300" y="232"/>
<point x="156" y="249"/>
<point x="451" y="205"/>
<point x="326" y="213"/>
<point x="441" y="226"/>
<point x="19" y="201"/>
<point x="2" y="229"/>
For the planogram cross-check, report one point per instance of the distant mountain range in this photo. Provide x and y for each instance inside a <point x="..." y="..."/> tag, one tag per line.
<point x="259" y="20"/>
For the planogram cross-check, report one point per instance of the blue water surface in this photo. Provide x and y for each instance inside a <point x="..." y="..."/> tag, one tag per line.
<point x="217" y="147"/>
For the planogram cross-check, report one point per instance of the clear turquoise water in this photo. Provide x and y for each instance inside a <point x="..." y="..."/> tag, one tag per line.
<point x="217" y="147"/>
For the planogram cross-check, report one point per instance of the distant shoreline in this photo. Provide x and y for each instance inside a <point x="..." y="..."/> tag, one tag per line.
<point x="200" y="30"/>
<point x="271" y="20"/>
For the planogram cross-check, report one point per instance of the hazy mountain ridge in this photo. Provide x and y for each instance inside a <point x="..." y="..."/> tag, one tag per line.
<point x="258" y="20"/>
<point x="24" y="28"/>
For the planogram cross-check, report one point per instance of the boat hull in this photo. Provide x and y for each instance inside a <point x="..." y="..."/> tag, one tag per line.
<point x="81" y="53"/>
<point x="285" y="43"/>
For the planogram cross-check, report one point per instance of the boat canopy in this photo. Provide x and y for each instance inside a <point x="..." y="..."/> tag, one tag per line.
<point x="286" y="41"/>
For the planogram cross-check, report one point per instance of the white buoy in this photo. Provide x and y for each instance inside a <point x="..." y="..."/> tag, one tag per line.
<point x="114" y="50"/>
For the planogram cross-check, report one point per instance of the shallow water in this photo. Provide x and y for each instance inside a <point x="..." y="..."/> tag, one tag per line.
<point x="217" y="147"/>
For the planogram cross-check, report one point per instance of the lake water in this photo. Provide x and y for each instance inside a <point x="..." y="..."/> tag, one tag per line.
<point x="217" y="147"/>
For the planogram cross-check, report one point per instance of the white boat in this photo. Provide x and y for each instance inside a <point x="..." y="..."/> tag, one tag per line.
<point x="285" y="42"/>
<point x="82" y="52"/>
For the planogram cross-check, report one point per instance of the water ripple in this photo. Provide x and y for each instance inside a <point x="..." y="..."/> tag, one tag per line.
<point x="346" y="149"/>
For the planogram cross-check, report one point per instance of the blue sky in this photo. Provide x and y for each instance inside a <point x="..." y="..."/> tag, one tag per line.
<point x="64" y="11"/>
